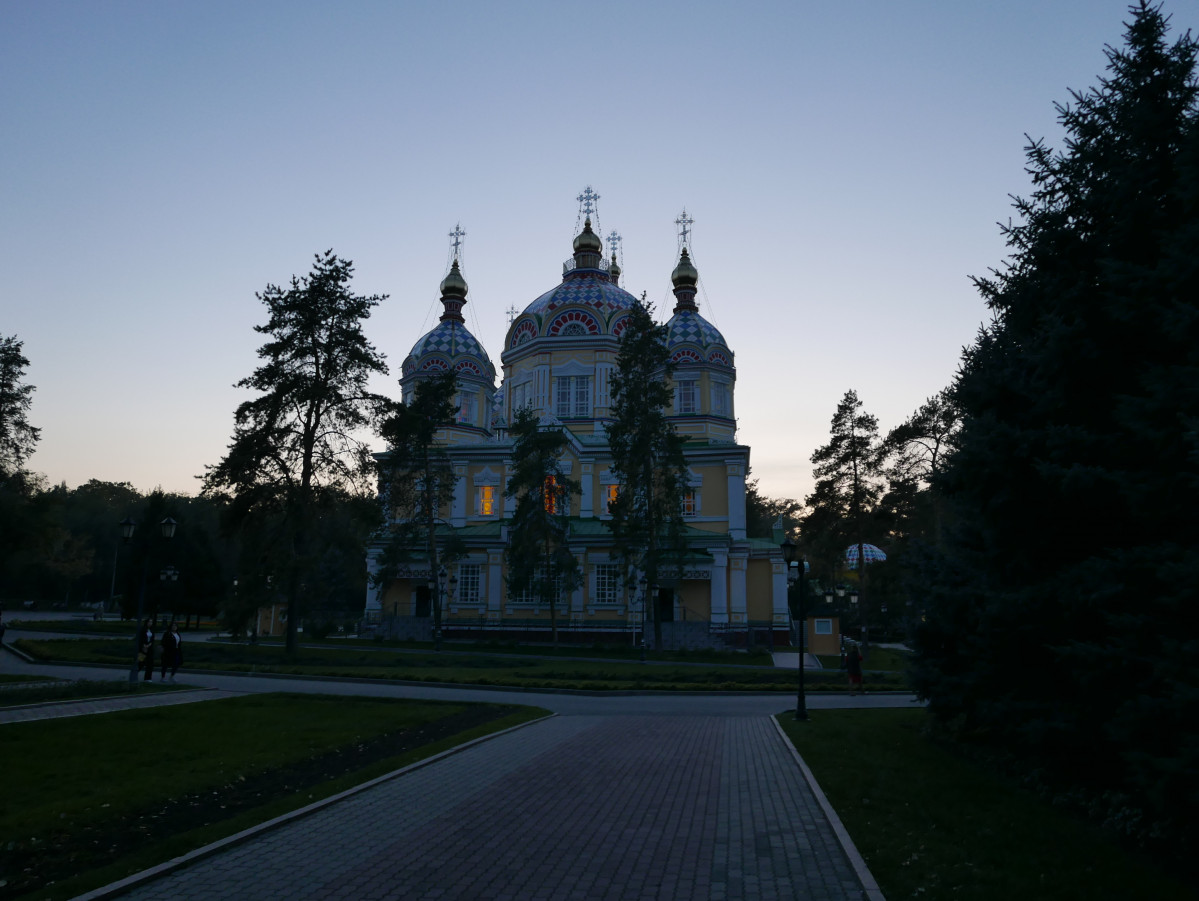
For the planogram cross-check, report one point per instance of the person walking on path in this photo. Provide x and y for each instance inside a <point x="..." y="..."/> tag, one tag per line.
<point x="172" y="651"/>
<point x="145" y="649"/>
<point x="853" y="665"/>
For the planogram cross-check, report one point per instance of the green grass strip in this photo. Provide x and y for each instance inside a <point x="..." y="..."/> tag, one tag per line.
<point x="932" y="825"/>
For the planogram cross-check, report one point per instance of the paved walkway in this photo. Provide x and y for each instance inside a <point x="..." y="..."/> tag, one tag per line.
<point x="628" y="797"/>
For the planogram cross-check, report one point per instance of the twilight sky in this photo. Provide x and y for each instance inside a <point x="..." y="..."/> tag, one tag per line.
<point x="845" y="165"/>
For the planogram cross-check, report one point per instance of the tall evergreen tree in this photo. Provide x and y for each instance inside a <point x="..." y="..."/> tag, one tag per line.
<point x="848" y="473"/>
<point x="417" y="483"/>
<point x="647" y="455"/>
<point x="303" y="439"/>
<point x="538" y="556"/>
<point x="1062" y="614"/>
<point x="17" y="437"/>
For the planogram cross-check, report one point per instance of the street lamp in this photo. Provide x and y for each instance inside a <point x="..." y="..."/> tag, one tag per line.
<point x="791" y="559"/>
<point x="167" y="530"/>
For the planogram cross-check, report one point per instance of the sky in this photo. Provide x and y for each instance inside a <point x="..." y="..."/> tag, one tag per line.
<point x="846" y="166"/>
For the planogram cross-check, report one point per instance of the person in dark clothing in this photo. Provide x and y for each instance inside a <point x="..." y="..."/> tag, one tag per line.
<point x="145" y="649"/>
<point x="853" y="665"/>
<point x="172" y="651"/>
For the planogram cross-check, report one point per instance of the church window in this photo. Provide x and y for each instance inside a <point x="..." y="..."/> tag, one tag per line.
<point x="720" y="399"/>
<point x="466" y="407"/>
<point x="686" y="396"/>
<point x="469" y="577"/>
<point x="691" y="502"/>
<point x="532" y="591"/>
<point x="554" y="496"/>
<point x="607" y="583"/>
<point x="574" y="328"/>
<point x="574" y="396"/>
<point x="487" y="500"/>
<point x="610" y="494"/>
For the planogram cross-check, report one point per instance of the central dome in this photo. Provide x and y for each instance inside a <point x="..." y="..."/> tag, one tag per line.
<point x="588" y="302"/>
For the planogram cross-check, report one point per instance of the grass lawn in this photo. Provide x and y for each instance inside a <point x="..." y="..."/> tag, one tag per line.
<point x="478" y="668"/>
<point x="65" y="690"/>
<point x="934" y="826"/>
<point x="87" y="800"/>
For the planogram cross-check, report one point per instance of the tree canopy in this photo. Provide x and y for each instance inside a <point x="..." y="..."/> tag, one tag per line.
<point x="17" y="437"/>
<point x="647" y="453"/>
<point x="303" y="439"/>
<point x="1061" y="621"/>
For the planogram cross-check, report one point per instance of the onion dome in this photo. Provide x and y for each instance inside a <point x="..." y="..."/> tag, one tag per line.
<point x="614" y="271"/>
<point x="689" y="337"/>
<point x="587" y="302"/>
<point x="450" y="345"/>
<point x="588" y="247"/>
<point x="685" y="278"/>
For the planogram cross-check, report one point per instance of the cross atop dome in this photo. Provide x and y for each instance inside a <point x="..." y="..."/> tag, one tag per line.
<point x="684" y="222"/>
<point x="587" y="199"/>
<point x="457" y="234"/>
<point x="614" y="240"/>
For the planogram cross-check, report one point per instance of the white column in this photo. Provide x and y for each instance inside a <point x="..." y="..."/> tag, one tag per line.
<point x="779" y="591"/>
<point x="735" y="470"/>
<point x="587" y="499"/>
<point x="374" y="602"/>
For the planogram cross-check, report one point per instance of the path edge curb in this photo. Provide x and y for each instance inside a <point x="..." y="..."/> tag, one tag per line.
<point x="869" y="884"/>
<point x="118" y="888"/>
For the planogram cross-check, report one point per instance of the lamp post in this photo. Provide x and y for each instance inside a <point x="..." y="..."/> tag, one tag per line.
<point x="167" y="530"/>
<point x="791" y="559"/>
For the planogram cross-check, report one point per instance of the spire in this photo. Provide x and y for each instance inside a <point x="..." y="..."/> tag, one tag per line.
<point x="685" y="276"/>
<point x="453" y="294"/>
<point x="614" y="240"/>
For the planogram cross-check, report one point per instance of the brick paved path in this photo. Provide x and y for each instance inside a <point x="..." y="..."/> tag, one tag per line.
<point x="575" y="807"/>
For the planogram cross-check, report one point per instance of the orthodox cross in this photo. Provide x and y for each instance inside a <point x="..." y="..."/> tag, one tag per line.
<point x="588" y="199"/>
<point x="457" y="234"/>
<point x="511" y="311"/>
<point x="614" y="242"/>
<point x="684" y="223"/>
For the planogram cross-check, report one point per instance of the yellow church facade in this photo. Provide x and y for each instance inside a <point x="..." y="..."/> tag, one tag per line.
<point x="558" y="359"/>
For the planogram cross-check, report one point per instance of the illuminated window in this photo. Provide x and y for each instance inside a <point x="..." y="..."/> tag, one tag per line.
<point x="554" y="496"/>
<point x="686" y="396"/>
<point x="610" y="494"/>
<point x="691" y="502"/>
<point x="487" y="500"/>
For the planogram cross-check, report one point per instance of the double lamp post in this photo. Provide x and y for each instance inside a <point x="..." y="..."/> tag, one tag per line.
<point x="795" y="565"/>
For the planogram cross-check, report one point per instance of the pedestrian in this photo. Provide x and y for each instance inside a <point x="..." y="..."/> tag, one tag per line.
<point x="853" y="664"/>
<point x="145" y="649"/>
<point x="172" y="651"/>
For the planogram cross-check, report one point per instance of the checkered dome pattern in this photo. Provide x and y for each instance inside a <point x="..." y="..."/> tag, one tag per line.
<point x="450" y="341"/>
<point x="688" y="327"/>
<point x="583" y="289"/>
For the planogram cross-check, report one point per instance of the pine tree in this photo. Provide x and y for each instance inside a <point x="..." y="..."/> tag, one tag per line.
<point x="305" y="433"/>
<point x="848" y="473"/>
<point x="538" y="555"/>
<point x="1061" y="616"/>
<point x="647" y="455"/>
<point x="17" y="437"/>
<point x="416" y="478"/>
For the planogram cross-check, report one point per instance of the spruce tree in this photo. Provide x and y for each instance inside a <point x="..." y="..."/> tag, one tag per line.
<point x="647" y="455"/>
<point x="538" y="556"/>
<point x="1061" y="622"/>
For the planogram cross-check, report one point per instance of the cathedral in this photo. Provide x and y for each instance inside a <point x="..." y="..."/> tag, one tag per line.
<point x="558" y="358"/>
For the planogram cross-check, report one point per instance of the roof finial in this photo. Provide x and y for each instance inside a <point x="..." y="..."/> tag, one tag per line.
<point x="614" y="242"/>
<point x="587" y="199"/>
<point x="457" y="234"/>
<point x="684" y="222"/>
